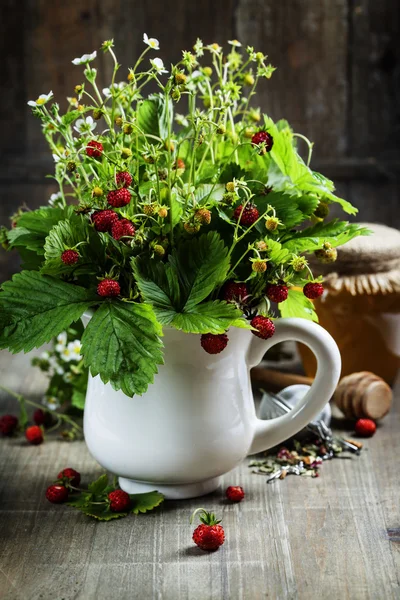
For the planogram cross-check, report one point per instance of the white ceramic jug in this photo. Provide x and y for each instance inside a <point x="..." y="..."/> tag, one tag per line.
<point x="198" y="421"/>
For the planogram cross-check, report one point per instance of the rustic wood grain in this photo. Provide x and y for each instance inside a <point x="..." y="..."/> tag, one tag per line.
<point x="298" y="539"/>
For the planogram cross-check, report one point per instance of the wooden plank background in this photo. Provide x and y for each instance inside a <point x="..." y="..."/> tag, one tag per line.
<point x="338" y="80"/>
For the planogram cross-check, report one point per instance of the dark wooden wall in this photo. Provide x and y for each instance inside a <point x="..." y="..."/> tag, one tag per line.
<point x="338" y="79"/>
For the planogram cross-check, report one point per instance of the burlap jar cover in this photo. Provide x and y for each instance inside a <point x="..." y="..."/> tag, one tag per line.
<point x="361" y="304"/>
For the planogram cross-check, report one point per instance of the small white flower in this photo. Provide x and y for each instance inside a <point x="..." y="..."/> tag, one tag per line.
<point x="158" y="65"/>
<point x="68" y="377"/>
<point x="51" y="402"/>
<point x="214" y="48"/>
<point x="61" y="341"/>
<point x="85" y="125"/>
<point x="117" y="86"/>
<point x="181" y="120"/>
<point x="85" y="58"/>
<point x="45" y="355"/>
<point x="54" y="198"/>
<point x="152" y="42"/>
<point x="57" y="368"/>
<point x="43" y="98"/>
<point x="73" y="101"/>
<point x="66" y="354"/>
<point x="234" y="43"/>
<point x="75" y="350"/>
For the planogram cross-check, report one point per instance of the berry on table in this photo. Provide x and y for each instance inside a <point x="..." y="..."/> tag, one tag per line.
<point x="235" y="292"/>
<point x="263" y="137"/>
<point x="119" y="501"/>
<point x="108" y="288"/>
<point x="123" y="178"/>
<point x="57" y="494"/>
<point x="70" y="257"/>
<point x="277" y="292"/>
<point x="246" y="216"/>
<point x="265" y="327"/>
<point x="214" y="344"/>
<point x="70" y="476"/>
<point x="210" y="534"/>
<point x="365" y="427"/>
<point x="8" y="424"/>
<point x="94" y="149"/>
<point x="118" y="198"/>
<point x="235" y="493"/>
<point x="103" y="219"/>
<point x="34" y="435"/>
<point x="313" y="290"/>
<point x="122" y="228"/>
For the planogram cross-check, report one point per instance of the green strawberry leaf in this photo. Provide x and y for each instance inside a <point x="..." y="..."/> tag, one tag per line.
<point x="35" y="308"/>
<point x="211" y="317"/>
<point x="297" y="305"/>
<point x="78" y="399"/>
<point x="120" y="341"/>
<point x="152" y="118"/>
<point x="33" y="227"/>
<point x="101" y="512"/>
<point x="158" y="284"/>
<point x="207" y="192"/>
<point x="335" y="232"/>
<point x="67" y="234"/>
<point x="142" y="503"/>
<point x="99" y="486"/>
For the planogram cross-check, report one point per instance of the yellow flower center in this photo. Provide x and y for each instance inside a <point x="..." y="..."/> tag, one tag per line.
<point x="41" y="101"/>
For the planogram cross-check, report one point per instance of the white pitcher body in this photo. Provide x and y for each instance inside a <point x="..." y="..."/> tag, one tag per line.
<point x="197" y="420"/>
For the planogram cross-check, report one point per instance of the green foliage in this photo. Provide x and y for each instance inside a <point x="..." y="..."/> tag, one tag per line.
<point x="35" y="308"/>
<point x="335" y="232"/>
<point x="34" y="226"/>
<point x="94" y="502"/>
<point x="121" y="344"/>
<point x="297" y="305"/>
<point x="152" y="117"/>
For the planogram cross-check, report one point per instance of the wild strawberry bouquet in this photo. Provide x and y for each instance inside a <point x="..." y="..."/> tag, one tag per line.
<point x="180" y="207"/>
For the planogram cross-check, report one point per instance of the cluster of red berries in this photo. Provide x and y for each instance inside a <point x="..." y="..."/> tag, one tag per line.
<point x="68" y="481"/>
<point x="34" y="434"/>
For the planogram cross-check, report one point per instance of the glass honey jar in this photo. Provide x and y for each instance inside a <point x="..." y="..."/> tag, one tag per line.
<point x="360" y="306"/>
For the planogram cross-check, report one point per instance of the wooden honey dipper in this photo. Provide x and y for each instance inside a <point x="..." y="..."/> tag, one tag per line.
<point x="358" y="395"/>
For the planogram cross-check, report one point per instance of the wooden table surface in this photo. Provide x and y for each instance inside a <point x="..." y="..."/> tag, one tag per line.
<point x="334" y="537"/>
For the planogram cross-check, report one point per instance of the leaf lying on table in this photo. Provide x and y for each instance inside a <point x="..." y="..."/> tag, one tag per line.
<point x="94" y="502"/>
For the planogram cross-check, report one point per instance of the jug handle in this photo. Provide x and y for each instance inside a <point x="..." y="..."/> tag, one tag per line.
<point x="269" y="433"/>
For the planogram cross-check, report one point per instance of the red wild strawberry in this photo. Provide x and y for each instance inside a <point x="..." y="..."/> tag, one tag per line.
<point x="365" y="427"/>
<point x="70" y="257"/>
<point x="118" y="198"/>
<point x="235" y="292"/>
<point x="313" y="290"/>
<point x="210" y="534"/>
<point x="123" y="178"/>
<point x="249" y="215"/>
<point x="8" y="424"/>
<point x="264" y="325"/>
<point x="34" y="435"/>
<point x="214" y="344"/>
<point x="108" y="288"/>
<point x="41" y="417"/>
<point x="70" y="476"/>
<point x="179" y="164"/>
<point x="122" y="228"/>
<point x="235" y="493"/>
<point x="277" y="293"/>
<point x="103" y="219"/>
<point x="119" y="501"/>
<point x="94" y="149"/>
<point x="263" y="137"/>
<point x="57" y="494"/>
